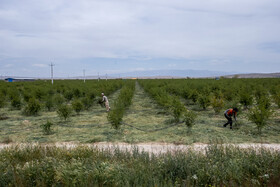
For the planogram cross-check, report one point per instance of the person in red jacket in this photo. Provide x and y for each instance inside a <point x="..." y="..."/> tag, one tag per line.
<point x="228" y="114"/>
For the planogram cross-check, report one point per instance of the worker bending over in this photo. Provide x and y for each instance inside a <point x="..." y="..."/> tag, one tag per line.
<point x="228" y="114"/>
<point x="105" y="99"/>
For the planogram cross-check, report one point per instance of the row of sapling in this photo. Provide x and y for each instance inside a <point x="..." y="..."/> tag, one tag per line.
<point x="245" y="93"/>
<point x="170" y="103"/>
<point x="33" y="102"/>
<point x="257" y="98"/>
<point x="51" y="97"/>
<point x="121" y="104"/>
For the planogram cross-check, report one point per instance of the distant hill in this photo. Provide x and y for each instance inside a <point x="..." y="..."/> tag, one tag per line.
<point x="255" y="75"/>
<point x="172" y="74"/>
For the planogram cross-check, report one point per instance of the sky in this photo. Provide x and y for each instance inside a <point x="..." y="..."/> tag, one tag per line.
<point x="116" y="36"/>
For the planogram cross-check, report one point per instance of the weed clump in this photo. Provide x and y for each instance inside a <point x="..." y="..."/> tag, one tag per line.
<point x="7" y="140"/>
<point x="46" y="127"/>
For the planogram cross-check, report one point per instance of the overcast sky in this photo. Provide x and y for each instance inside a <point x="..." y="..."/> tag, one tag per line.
<point x="114" y="36"/>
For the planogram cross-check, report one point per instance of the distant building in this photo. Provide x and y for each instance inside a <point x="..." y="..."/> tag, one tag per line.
<point x="18" y="79"/>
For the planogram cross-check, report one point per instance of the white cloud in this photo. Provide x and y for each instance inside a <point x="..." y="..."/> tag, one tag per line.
<point x="8" y="65"/>
<point x="40" y="65"/>
<point x="140" y="29"/>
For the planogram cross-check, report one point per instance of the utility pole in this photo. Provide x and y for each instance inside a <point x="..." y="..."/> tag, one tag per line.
<point x="84" y="75"/>
<point x="52" y="65"/>
<point x="106" y="76"/>
<point x="98" y="77"/>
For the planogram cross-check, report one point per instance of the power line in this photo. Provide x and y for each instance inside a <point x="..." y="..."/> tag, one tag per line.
<point x="52" y="65"/>
<point x="84" y="75"/>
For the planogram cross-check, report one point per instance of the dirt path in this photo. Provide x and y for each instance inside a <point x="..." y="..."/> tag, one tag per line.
<point x="153" y="147"/>
<point x="144" y="113"/>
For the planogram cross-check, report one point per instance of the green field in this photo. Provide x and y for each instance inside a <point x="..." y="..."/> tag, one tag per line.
<point x="142" y="111"/>
<point x="145" y="115"/>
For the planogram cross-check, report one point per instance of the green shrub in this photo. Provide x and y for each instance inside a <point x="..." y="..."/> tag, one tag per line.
<point x="77" y="106"/>
<point x="276" y="98"/>
<point x="115" y="116"/>
<point x="39" y="93"/>
<point x="246" y="99"/>
<point x="68" y="95"/>
<point x="77" y="93"/>
<point x="58" y="100"/>
<point x="204" y="101"/>
<point x="16" y="102"/>
<point x="177" y="109"/>
<point x="194" y="96"/>
<point x="232" y="104"/>
<point x="217" y="104"/>
<point x="260" y="92"/>
<point x="32" y="108"/>
<point x="87" y="103"/>
<point x="2" y="100"/>
<point x="91" y="95"/>
<point x="51" y="92"/>
<point x="49" y="104"/>
<point x="64" y="111"/>
<point x="186" y="93"/>
<point x="260" y="115"/>
<point x="189" y="118"/>
<point x="229" y="95"/>
<point x="46" y="127"/>
<point x="27" y="96"/>
<point x="265" y="101"/>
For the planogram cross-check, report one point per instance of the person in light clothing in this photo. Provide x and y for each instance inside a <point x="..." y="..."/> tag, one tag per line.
<point x="105" y="99"/>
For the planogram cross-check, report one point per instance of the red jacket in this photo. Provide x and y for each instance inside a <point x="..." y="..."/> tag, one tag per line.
<point x="230" y="112"/>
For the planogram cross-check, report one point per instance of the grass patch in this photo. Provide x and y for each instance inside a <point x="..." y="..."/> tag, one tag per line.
<point x="92" y="125"/>
<point x="88" y="166"/>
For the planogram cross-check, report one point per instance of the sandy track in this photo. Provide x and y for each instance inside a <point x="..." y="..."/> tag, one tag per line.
<point x="153" y="147"/>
